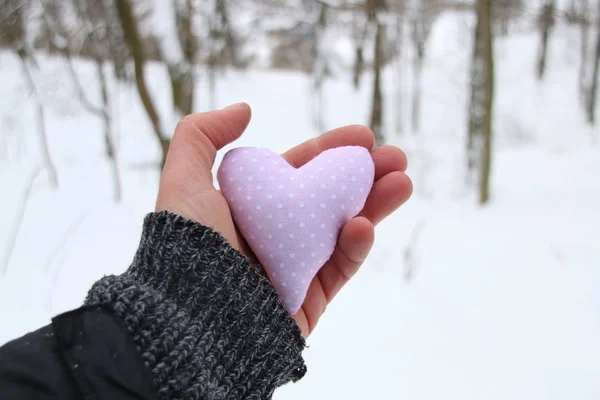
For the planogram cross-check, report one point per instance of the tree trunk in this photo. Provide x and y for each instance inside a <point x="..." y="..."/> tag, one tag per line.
<point x="416" y="96"/>
<point x="593" y="93"/>
<point x="485" y="13"/>
<point x="546" y="23"/>
<point x="41" y="120"/>
<point x="479" y="144"/>
<point x="109" y="138"/>
<point x="398" y="106"/>
<point x="583" y="61"/>
<point x="134" y="42"/>
<point x="377" y="103"/>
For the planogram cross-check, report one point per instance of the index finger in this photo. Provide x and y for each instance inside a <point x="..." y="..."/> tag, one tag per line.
<point x="351" y="135"/>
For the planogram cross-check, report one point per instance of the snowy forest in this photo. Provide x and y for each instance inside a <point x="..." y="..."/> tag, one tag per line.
<point x="491" y="268"/>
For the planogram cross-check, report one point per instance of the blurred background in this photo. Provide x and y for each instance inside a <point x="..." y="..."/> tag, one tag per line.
<point x="485" y="285"/>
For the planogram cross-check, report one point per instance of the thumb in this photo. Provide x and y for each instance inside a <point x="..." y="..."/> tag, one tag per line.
<point x="196" y="140"/>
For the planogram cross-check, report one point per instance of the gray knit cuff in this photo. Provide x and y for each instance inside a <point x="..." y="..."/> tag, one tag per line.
<point x="206" y="322"/>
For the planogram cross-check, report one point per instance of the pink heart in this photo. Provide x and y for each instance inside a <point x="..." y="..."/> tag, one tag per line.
<point x="291" y="217"/>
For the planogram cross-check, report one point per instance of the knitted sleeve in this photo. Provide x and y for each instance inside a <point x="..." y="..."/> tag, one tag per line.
<point x="205" y="321"/>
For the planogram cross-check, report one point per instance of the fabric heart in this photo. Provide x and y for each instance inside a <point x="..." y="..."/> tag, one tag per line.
<point x="291" y="217"/>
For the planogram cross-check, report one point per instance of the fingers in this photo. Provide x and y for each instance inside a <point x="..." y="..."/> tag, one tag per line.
<point x="354" y="243"/>
<point x="388" y="159"/>
<point x="352" y="135"/>
<point x="388" y="193"/>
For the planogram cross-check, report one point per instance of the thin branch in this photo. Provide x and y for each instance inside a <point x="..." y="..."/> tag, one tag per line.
<point x="12" y="239"/>
<point x="351" y="6"/>
<point x="410" y="250"/>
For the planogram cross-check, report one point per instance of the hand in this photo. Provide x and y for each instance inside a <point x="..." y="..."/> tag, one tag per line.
<point x="187" y="189"/>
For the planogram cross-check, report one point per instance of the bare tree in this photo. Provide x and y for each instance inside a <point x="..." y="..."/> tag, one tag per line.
<point x="15" y="36"/>
<point x="546" y="22"/>
<point x="580" y="9"/>
<point x="593" y="92"/>
<point x="423" y="16"/>
<point x="373" y="8"/>
<point x="134" y="43"/>
<point x="320" y="69"/>
<point x="505" y="11"/>
<point x="479" y="145"/>
<point x="94" y="17"/>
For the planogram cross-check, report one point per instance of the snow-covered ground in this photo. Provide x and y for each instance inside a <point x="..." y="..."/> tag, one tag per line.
<point x="503" y="301"/>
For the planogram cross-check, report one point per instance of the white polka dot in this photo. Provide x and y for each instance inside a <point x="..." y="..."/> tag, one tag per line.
<point x="357" y="208"/>
<point x="292" y="255"/>
<point x="312" y="235"/>
<point x="329" y="161"/>
<point x="258" y="187"/>
<point x="282" y="170"/>
<point x="312" y="195"/>
<point x="321" y="168"/>
<point x="332" y="216"/>
<point x="258" y="207"/>
<point x="303" y="280"/>
<point x="280" y="206"/>
<point x="352" y="160"/>
<point x="293" y="273"/>
<point x="233" y="160"/>
<point x="254" y="160"/>
<point x="322" y="226"/>
<point x="291" y="215"/>
<point x="259" y="227"/>
<point x="312" y="215"/>
<point x="344" y="187"/>
<point x="322" y="244"/>
<point x="270" y="216"/>
<point x="353" y="178"/>
<point x="323" y="186"/>
<point x="297" y="291"/>
<point x="332" y="177"/>
<point x="250" y="218"/>
<point x="245" y="151"/>
<point x="248" y="198"/>
<point x="362" y="190"/>
<point x="270" y="236"/>
<point x="271" y="178"/>
<point x="303" y="264"/>
<point x="262" y="168"/>
<point x="231" y="179"/>
<point x="252" y="236"/>
<point x="362" y="170"/>
<point x="284" y="284"/>
<point x="280" y="226"/>
<point x="275" y="162"/>
<point x="280" y="246"/>
<point x="292" y="178"/>
<point x="271" y="256"/>
<point x="301" y="205"/>
<point x="323" y="205"/>
<point x="343" y="206"/>
<point x="241" y="169"/>
<point x="343" y="168"/>
<point x="239" y="188"/>
<point x="291" y="235"/>
<point x="320" y="261"/>
<point x="262" y="246"/>
<point x="331" y="235"/>
<point x="291" y="195"/>
<point x="351" y="197"/>
<point x="281" y="265"/>
<point x="333" y="196"/>
<point x="302" y="225"/>
<point x="274" y="273"/>
<point x="301" y="186"/>
<point x="313" y="254"/>
<point x="302" y="245"/>
<point x="311" y="177"/>
<point x="269" y="196"/>
<point x="280" y="186"/>
<point x="240" y="208"/>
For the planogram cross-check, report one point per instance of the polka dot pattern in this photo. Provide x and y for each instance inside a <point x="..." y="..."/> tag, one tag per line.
<point x="290" y="217"/>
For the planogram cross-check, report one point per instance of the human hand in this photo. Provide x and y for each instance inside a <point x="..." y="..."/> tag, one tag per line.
<point x="187" y="189"/>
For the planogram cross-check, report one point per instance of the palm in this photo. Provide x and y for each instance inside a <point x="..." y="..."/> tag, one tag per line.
<point x="187" y="189"/>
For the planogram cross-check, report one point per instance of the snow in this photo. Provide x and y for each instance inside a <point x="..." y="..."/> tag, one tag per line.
<point x="503" y="302"/>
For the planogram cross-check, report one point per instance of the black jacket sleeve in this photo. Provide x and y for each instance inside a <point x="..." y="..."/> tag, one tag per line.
<point x="190" y="319"/>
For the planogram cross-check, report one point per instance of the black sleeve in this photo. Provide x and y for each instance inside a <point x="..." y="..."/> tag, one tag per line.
<point x="190" y="319"/>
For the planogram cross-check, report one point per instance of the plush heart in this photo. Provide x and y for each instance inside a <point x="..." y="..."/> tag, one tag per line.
<point x="291" y="217"/>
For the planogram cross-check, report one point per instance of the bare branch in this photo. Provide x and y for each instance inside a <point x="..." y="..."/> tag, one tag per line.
<point x="12" y="239"/>
<point x="342" y="6"/>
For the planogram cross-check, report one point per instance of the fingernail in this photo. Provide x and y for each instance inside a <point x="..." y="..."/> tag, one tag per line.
<point x="236" y="105"/>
